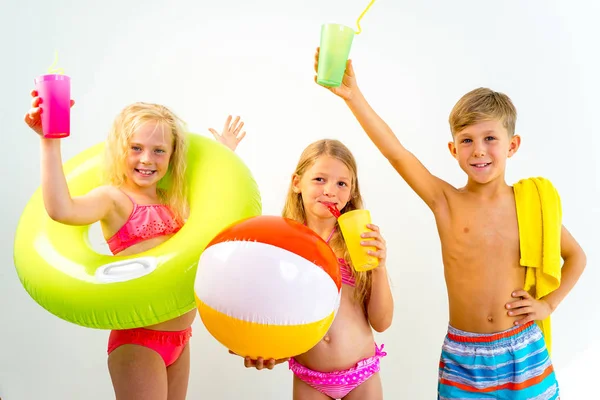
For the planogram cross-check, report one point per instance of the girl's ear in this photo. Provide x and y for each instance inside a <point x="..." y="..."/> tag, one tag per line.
<point x="296" y="183"/>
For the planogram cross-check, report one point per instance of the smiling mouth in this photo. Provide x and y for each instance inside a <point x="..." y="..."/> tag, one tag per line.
<point x="480" y="165"/>
<point x="145" y="172"/>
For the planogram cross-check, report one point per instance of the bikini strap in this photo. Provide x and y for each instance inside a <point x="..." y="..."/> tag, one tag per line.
<point x="135" y="205"/>
<point x="330" y="235"/>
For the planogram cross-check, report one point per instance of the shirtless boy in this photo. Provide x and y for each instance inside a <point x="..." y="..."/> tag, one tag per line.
<point x="493" y="348"/>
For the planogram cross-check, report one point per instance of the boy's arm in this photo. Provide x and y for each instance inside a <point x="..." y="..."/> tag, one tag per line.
<point x="428" y="187"/>
<point x="573" y="266"/>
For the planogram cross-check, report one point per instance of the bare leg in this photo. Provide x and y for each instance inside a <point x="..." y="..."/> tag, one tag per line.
<point x="137" y="373"/>
<point x="178" y="375"/>
<point x="303" y="391"/>
<point x="370" y="389"/>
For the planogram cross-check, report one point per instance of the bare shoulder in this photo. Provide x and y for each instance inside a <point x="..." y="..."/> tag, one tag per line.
<point x="121" y="203"/>
<point x="111" y="192"/>
<point x="447" y="188"/>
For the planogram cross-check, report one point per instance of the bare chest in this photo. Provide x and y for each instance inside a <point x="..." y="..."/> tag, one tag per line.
<point x="477" y="232"/>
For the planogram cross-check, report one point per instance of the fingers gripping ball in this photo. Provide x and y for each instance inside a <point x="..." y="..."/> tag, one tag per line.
<point x="63" y="274"/>
<point x="268" y="287"/>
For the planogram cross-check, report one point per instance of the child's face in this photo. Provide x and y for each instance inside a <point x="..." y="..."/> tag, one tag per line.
<point x="327" y="181"/>
<point x="148" y="155"/>
<point x="482" y="150"/>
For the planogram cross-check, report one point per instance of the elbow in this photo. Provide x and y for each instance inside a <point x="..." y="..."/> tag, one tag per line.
<point x="57" y="214"/>
<point x="56" y="208"/>
<point x="577" y="259"/>
<point x="583" y="260"/>
<point x="53" y="213"/>
<point x="394" y="156"/>
<point x="382" y="324"/>
<point x="395" y="152"/>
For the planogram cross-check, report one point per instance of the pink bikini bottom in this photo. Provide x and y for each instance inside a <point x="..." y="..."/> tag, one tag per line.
<point x="338" y="384"/>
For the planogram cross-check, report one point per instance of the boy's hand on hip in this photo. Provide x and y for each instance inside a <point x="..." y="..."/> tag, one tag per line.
<point x="528" y="307"/>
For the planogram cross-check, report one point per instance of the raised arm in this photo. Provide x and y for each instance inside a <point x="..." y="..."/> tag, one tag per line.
<point x="428" y="187"/>
<point x="61" y="207"/>
<point x="84" y="210"/>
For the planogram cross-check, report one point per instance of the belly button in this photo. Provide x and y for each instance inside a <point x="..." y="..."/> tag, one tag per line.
<point x="326" y="339"/>
<point x="490" y="318"/>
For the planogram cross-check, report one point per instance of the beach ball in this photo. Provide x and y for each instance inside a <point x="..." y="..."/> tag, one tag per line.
<point x="268" y="286"/>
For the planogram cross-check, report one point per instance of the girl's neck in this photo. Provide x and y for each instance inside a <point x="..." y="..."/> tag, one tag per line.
<point x="323" y="227"/>
<point x="150" y="193"/>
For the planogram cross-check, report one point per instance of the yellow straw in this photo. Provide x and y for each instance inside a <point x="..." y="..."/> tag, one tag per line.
<point x="362" y="15"/>
<point x="53" y="69"/>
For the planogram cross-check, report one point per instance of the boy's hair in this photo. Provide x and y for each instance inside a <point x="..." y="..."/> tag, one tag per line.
<point x="294" y="206"/>
<point x="172" y="187"/>
<point x="480" y="105"/>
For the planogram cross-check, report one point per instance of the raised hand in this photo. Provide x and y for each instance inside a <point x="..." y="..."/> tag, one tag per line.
<point x="348" y="86"/>
<point x="33" y="117"/>
<point x="231" y="135"/>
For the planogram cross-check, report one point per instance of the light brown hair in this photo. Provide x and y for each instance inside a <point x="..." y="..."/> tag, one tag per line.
<point x="480" y="105"/>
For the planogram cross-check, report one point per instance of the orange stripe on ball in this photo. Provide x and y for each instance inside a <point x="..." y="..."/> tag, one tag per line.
<point x="286" y="234"/>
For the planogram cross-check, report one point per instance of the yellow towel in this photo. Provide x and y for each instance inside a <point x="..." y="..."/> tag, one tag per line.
<point x="539" y="215"/>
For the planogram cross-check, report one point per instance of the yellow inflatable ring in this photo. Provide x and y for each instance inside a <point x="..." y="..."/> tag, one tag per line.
<point x="62" y="273"/>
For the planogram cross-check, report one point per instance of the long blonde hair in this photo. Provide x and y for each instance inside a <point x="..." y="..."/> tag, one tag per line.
<point x="171" y="188"/>
<point x="294" y="206"/>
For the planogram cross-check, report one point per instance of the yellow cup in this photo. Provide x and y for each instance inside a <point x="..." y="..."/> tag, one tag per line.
<point x="353" y="224"/>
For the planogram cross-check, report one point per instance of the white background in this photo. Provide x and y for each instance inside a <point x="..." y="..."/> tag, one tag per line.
<point x="254" y="58"/>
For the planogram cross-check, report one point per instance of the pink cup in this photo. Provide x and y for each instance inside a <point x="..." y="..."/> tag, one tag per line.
<point x="55" y="92"/>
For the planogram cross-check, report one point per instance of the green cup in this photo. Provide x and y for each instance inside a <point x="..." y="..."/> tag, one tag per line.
<point x="336" y="41"/>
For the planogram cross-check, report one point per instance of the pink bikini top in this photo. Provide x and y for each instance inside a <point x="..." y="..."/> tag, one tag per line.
<point x="347" y="277"/>
<point x="146" y="221"/>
